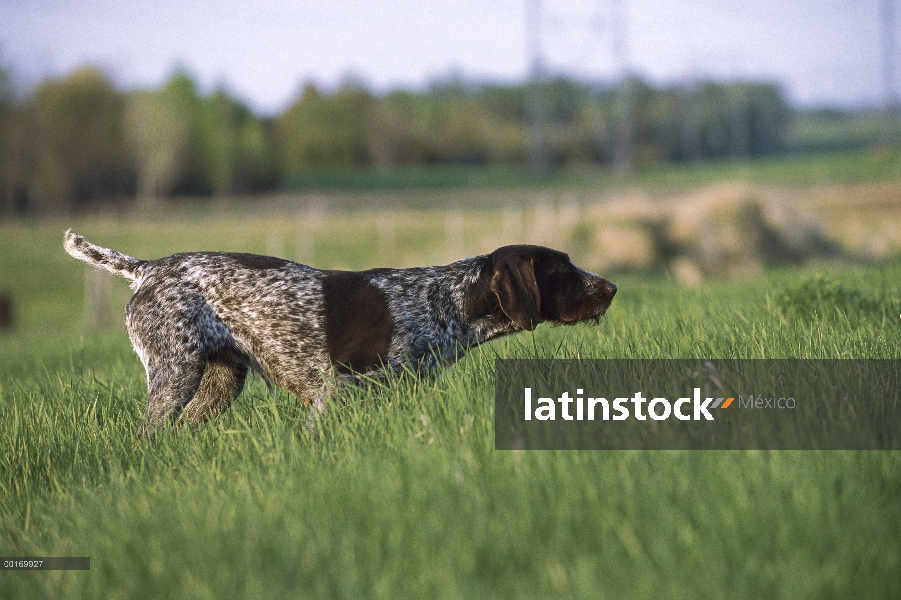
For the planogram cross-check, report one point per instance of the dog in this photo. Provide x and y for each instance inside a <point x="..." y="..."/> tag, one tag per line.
<point x="199" y="321"/>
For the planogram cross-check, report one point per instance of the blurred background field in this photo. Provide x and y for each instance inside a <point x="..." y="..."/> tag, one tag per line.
<point x="689" y="224"/>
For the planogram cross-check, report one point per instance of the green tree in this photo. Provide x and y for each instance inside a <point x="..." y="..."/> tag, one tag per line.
<point x="464" y="128"/>
<point x="234" y="150"/>
<point x="396" y="130"/>
<point x="735" y="119"/>
<point x="256" y="161"/>
<point x="220" y="120"/>
<point x="163" y="129"/>
<point x="322" y="130"/>
<point x="80" y="146"/>
<point x="11" y="153"/>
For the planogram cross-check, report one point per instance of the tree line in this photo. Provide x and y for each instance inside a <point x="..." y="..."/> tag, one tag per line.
<point x="79" y="140"/>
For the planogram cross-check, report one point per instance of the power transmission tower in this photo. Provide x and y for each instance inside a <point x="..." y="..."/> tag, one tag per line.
<point x="535" y="91"/>
<point x="537" y="110"/>
<point x="890" y="97"/>
<point x="624" y="151"/>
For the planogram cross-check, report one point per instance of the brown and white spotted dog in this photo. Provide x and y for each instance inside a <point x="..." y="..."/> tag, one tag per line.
<point x="200" y="320"/>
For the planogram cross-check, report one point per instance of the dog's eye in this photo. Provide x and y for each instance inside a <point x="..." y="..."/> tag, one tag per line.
<point x="563" y="268"/>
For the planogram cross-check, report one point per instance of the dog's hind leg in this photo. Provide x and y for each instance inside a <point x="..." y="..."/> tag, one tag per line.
<point x="186" y="352"/>
<point x="172" y="381"/>
<point x="174" y="365"/>
<point x="222" y="382"/>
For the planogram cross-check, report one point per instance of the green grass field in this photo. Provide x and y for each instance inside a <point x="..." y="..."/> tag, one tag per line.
<point x="399" y="491"/>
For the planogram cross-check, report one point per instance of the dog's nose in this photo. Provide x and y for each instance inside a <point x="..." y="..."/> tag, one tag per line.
<point x="610" y="288"/>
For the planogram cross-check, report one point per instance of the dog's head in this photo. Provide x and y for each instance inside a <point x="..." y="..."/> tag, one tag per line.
<point x="533" y="284"/>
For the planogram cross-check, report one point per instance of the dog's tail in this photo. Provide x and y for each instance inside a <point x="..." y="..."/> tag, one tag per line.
<point x="112" y="261"/>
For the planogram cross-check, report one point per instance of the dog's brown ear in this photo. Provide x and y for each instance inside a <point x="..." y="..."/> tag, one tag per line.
<point x="517" y="291"/>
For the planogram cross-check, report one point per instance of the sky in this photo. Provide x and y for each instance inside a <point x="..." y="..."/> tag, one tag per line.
<point x="824" y="52"/>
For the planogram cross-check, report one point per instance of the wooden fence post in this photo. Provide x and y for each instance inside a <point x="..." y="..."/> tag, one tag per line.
<point x="96" y="299"/>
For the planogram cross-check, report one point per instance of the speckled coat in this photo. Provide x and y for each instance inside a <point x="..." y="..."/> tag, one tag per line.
<point x="200" y="320"/>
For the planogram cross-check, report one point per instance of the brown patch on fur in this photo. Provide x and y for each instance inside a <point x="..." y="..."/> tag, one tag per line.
<point x="358" y="322"/>
<point x="517" y="291"/>
<point x="255" y="261"/>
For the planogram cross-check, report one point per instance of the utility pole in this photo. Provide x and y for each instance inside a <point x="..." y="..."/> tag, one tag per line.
<point x="740" y="134"/>
<point x="689" y="136"/>
<point x="535" y="92"/>
<point x="624" y="152"/>
<point x="890" y="99"/>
